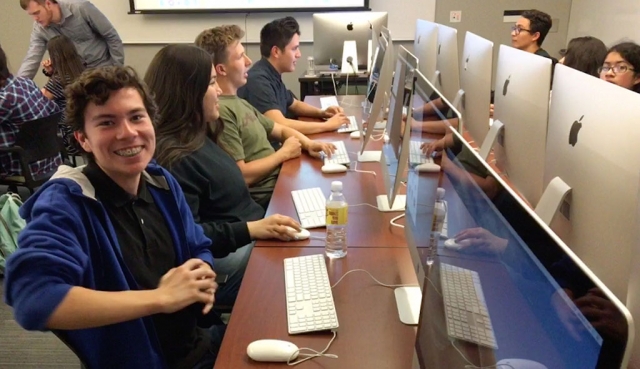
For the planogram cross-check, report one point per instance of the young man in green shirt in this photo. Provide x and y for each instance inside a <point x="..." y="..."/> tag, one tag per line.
<point x="246" y="132"/>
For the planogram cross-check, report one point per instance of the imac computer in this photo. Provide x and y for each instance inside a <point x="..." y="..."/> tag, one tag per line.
<point x="447" y="76"/>
<point x="537" y="295"/>
<point x="425" y="46"/>
<point x="334" y="35"/>
<point x="522" y="107"/>
<point x="395" y="153"/>
<point x="475" y="82"/>
<point x="595" y="151"/>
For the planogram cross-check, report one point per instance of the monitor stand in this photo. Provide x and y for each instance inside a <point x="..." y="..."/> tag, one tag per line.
<point x="398" y="204"/>
<point x="369" y="156"/>
<point x="408" y="300"/>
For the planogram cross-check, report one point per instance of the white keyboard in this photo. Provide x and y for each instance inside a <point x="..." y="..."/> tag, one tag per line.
<point x="328" y="101"/>
<point x="310" y="205"/>
<point x="310" y="305"/>
<point x="340" y="156"/>
<point x="465" y="307"/>
<point x="352" y="127"/>
<point x="416" y="156"/>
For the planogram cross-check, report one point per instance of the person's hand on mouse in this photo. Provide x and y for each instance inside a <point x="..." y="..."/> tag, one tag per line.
<point x="273" y="226"/>
<point x="480" y="240"/>
<point x="291" y="148"/>
<point x="316" y="149"/>
<point x="603" y="314"/>
<point x="331" y="111"/>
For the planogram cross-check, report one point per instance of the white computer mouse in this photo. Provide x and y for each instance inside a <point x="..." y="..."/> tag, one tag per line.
<point x="427" y="168"/>
<point x="299" y="236"/>
<point x="386" y="138"/>
<point x="519" y="364"/>
<point x="355" y="134"/>
<point x="451" y="244"/>
<point x="272" y="351"/>
<point x="333" y="168"/>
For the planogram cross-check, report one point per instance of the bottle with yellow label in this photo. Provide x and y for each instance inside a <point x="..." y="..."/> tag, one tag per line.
<point x="337" y="211"/>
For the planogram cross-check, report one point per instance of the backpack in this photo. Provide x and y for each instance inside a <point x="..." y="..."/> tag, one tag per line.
<point x="10" y="226"/>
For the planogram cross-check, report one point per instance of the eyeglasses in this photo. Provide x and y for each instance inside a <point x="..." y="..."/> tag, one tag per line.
<point x="617" y="69"/>
<point x="518" y="29"/>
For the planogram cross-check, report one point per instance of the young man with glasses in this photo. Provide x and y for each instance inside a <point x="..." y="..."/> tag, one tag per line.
<point x="529" y="33"/>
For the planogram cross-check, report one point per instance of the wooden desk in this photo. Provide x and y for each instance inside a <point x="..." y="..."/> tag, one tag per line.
<point x="323" y="84"/>
<point x="367" y="227"/>
<point x="370" y="333"/>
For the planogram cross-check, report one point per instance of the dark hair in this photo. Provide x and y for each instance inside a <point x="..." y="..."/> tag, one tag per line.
<point x="277" y="33"/>
<point x="67" y="63"/>
<point x="630" y="52"/>
<point x="179" y="76"/>
<point x="539" y="22"/>
<point x="216" y="40"/>
<point x="585" y="54"/>
<point x="25" y="3"/>
<point x="95" y="86"/>
<point x="4" y="69"/>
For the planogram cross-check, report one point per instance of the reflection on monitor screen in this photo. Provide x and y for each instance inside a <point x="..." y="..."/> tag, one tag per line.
<point x="447" y="70"/>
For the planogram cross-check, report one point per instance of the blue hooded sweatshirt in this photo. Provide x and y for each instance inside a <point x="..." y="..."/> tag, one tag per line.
<point x="70" y="241"/>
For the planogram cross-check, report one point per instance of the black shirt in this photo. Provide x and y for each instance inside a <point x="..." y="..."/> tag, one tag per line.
<point x="265" y="89"/>
<point x="217" y="196"/>
<point x="148" y="252"/>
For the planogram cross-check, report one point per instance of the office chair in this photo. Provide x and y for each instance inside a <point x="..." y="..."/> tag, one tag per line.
<point x="61" y="336"/>
<point x="36" y="140"/>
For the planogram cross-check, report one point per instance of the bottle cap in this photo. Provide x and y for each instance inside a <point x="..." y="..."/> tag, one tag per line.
<point x="440" y="193"/>
<point x="336" y="186"/>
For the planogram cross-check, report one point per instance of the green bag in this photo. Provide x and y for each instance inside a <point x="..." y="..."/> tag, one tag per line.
<point x="10" y="226"/>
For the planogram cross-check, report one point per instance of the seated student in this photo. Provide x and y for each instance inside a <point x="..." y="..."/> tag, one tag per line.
<point x="529" y="33"/>
<point x="622" y="66"/>
<point x="245" y="133"/>
<point x="20" y="101"/>
<point x="64" y="67"/>
<point x="111" y="258"/>
<point x="183" y="82"/>
<point x="585" y="54"/>
<point x="265" y="90"/>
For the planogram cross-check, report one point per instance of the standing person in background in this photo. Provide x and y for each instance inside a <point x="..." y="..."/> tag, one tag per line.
<point x="91" y="32"/>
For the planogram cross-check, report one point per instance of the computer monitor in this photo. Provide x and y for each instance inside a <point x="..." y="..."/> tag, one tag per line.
<point x="594" y="149"/>
<point x="380" y="49"/>
<point x="331" y="30"/>
<point x="475" y="82"/>
<point x="425" y="46"/>
<point x="447" y="77"/>
<point x="522" y="106"/>
<point x="395" y="153"/>
<point x="538" y="293"/>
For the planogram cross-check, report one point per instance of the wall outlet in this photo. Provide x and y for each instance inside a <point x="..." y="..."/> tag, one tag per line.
<point x="455" y="16"/>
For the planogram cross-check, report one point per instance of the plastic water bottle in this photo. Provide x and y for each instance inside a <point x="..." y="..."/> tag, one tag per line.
<point x="439" y="214"/>
<point x="311" y="66"/>
<point x="337" y="210"/>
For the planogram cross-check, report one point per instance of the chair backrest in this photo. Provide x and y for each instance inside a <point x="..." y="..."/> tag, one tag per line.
<point x="39" y="138"/>
<point x="62" y="337"/>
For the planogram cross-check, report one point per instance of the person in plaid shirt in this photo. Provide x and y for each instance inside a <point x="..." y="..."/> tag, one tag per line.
<point x="21" y="101"/>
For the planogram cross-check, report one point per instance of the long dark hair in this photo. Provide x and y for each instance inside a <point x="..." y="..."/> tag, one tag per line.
<point x="67" y="63"/>
<point x="630" y="52"/>
<point x="585" y="54"/>
<point x="4" y="69"/>
<point x="179" y="77"/>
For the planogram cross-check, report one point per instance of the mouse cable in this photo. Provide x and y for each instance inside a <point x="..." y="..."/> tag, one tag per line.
<point x="393" y="221"/>
<point x="335" y="89"/>
<point x="354" y="164"/>
<point x="472" y="366"/>
<point x="363" y="204"/>
<point x="315" y="353"/>
<point x="374" y="278"/>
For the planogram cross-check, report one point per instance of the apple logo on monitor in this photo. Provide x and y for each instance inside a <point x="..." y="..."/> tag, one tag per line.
<point x="350" y="26"/>
<point x="573" y="133"/>
<point x="466" y="62"/>
<point x="439" y="46"/>
<point x="505" y="87"/>
<point x="419" y="38"/>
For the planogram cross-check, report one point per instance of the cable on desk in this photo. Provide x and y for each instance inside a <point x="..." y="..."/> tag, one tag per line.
<point x="472" y="366"/>
<point x="363" y="204"/>
<point x="393" y="221"/>
<point x="318" y="238"/>
<point x="333" y="80"/>
<point x="355" y="166"/>
<point x="374" y="278"/>
<point x="315" y="353"/>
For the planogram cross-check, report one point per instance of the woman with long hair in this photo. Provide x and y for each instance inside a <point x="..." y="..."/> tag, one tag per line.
<point x="622" y="66"/>
<point x="585" y="54"/>
<point x="66" y="65"/>
<point x="183" y="80"/>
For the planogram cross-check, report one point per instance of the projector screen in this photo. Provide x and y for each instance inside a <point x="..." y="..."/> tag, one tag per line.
<point x="212" y="6"/>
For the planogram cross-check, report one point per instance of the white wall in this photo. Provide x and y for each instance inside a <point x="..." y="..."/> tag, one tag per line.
<point x="610" y="21"/>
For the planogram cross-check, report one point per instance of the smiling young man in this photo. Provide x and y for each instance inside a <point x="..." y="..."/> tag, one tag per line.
<point x="111" y="258"/>
<point x="246" y="132"/>
<point x="91" y="32"/>
<point x="529" y="32"/>
<point x="265" y="90"/>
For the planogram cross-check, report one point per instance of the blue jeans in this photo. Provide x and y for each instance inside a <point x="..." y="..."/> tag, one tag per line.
<point x="234" y="266"/>
<point x="209" y="359"/>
